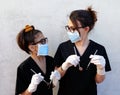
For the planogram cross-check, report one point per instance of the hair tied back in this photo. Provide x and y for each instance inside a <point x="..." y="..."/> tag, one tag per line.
<point x="28" y="28"/>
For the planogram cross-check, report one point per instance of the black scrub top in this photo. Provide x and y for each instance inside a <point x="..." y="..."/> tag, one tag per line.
<point x="24" y="75"/>
<point x="76" y="82"/>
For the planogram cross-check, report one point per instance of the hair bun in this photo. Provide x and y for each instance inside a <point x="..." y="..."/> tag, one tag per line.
<point x="93" y="13"/>
<point x="28" y="28"/>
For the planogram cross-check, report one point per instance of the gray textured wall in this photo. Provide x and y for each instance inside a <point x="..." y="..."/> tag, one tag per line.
<point x="51" y="16"/>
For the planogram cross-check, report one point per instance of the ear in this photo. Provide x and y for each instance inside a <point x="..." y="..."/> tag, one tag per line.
<point x="31" y="48"/>
<point x="87" y="29"/>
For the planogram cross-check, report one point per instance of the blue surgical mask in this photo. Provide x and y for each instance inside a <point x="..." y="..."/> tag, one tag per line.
<point x="73" y="36"/>
<point x="42" y="49"/>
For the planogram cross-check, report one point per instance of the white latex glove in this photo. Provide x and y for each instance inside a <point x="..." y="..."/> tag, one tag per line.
<point x="36" y="79"/>
<point x="71" y="60"/>
<point x="99" y="61"/>
<point x="55" y="77"/>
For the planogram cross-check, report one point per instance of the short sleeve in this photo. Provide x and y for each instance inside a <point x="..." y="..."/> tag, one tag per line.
<point x="21" y="84"/>
<point x="107" y="66"/>
<point x="58" y="58"/>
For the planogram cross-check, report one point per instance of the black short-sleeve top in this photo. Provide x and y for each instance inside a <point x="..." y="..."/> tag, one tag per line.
<point x="76" y="82"/>
<point x="24" y="75"/>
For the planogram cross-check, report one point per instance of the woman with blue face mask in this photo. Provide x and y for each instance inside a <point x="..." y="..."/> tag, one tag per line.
<point x="33" y="73"/>
<point x="80" y="62"/>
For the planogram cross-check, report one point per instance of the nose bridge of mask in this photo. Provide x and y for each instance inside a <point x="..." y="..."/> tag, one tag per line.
<point x="73" y="36"/>
<point x="42" y="49"/>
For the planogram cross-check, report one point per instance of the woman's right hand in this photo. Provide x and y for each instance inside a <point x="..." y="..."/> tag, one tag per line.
<point x="72" y="60"/>
<point x="36" y="79"/>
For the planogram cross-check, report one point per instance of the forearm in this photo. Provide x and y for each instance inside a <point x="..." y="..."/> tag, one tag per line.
<point x="99" y="78"/>
<point x="26" y="93"/>
<point x="35" y="81"/>
<point x="61" y="71"/>
<point x="99" y="61"/>
<point x="56" y="75"/>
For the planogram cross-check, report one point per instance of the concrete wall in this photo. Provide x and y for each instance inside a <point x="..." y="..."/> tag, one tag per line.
<point x="51" y="16"/>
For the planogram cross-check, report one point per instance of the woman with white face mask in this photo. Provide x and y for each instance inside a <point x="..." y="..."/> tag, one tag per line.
<point x="33" y="73"/>
<point x="80" y="62"/>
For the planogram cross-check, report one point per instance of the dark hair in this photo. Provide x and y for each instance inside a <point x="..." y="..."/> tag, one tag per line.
<point x="26" y="37"/>
<point x="86" y="17"/>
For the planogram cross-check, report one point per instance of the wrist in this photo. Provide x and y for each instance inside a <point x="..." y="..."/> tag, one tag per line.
<point x="55" y="77"/>
<point x="32" y="88"/>
<point x="101" y="71"/>
<point x="61" y="68"/>
<point x="64" y="66"/>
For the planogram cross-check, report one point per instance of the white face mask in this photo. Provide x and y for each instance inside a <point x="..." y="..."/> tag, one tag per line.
<point x="73" y="36"/>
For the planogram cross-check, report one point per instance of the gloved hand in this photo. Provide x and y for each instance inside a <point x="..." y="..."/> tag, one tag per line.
<point x="71" y="60"/>
<point x="99" y="61"/>
<point x="55" y="77"/>
<point x="36" y="79"/>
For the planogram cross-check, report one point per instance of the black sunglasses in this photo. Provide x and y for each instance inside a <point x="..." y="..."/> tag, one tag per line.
<point x="42" y="41"/>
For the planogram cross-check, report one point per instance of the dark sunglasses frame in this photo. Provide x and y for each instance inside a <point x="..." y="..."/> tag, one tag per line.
<point x="42" y="41"/>
<point x="72" y="28"/>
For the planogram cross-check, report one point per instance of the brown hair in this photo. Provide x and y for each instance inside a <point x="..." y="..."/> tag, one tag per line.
<point x="87" y="17"/>
<point x="26" y="37"/>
